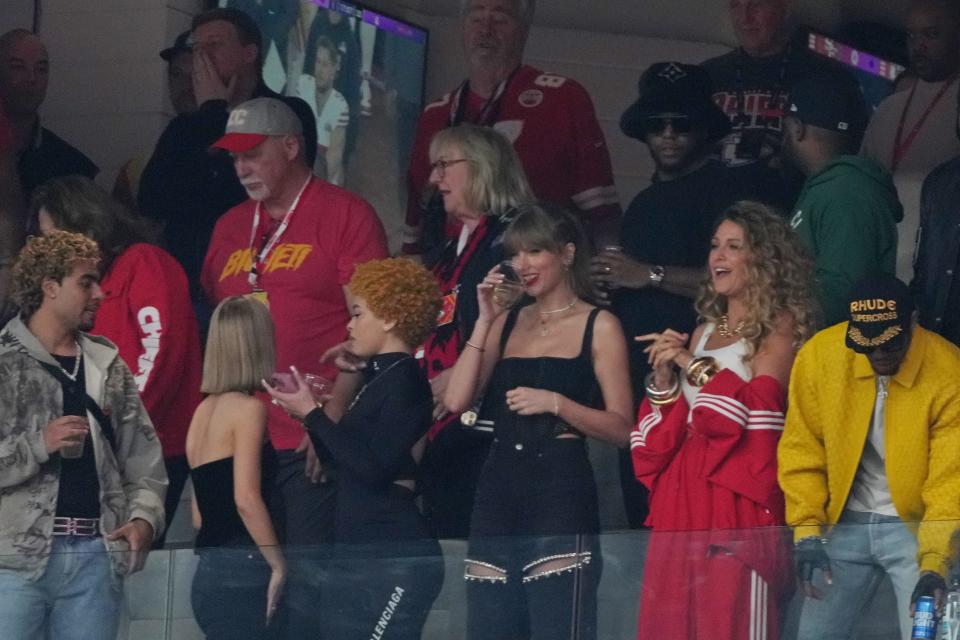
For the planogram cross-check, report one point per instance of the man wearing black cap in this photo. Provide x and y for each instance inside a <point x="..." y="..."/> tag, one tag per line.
<point x="179" y="59"/>
<point x="848" y="211"/>
<point x="870" y="444"/>
<point x="665" y="235"/>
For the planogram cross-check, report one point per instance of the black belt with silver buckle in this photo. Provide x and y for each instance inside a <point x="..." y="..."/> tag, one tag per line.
<point x="76" y="526"/>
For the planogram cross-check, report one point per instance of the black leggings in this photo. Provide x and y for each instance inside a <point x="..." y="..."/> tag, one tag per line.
<point x="533" y="507"/>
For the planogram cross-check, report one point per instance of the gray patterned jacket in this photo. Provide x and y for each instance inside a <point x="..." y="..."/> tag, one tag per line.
<point x="133" y="481"/>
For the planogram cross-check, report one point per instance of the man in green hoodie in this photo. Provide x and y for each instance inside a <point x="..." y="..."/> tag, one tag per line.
<point x="848" y="210"/>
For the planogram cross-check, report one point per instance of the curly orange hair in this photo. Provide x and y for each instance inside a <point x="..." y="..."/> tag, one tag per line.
<point x="54" y="257"/>
<point x="401" y="290"/>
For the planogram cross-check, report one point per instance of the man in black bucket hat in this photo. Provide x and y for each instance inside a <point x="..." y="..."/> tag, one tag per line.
<point x="653" y="276"/>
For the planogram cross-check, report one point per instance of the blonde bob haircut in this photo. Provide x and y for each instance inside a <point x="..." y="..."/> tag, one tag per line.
<point x="240" y="350"/>
<point x="496" y="181"/>
<point x="400" y="290"/>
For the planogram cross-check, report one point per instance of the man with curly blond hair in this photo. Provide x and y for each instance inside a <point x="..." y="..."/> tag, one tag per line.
<point x="81" y="469"/>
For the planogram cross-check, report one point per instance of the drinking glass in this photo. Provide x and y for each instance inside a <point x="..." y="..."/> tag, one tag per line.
<point x="507" y="293"/>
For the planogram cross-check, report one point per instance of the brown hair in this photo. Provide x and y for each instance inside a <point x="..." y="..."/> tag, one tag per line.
<point x="78" y="204"/>
<point x="551" y="227"/>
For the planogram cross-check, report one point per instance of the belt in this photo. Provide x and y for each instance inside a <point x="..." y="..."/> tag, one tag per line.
<point x="76" y="526"/>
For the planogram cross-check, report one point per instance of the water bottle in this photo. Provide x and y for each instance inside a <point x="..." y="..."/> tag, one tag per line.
<point x="950" y="623"/>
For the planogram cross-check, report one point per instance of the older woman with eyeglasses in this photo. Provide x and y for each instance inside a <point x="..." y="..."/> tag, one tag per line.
<point x="477" y="173"/>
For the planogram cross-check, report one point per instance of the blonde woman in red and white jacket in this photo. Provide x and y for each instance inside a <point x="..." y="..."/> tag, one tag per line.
<point x="146" y="310"/>
<point x="706" y="439"/>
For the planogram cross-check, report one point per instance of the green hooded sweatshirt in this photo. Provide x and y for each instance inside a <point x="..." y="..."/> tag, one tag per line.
<point x="847" y="216"/>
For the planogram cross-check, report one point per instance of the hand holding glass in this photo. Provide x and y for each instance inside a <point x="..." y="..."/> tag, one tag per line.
<point x="507" y="293"/>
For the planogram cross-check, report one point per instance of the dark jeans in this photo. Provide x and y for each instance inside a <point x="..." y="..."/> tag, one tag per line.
<point x="449" y="474"/>
<point x="534" y="507"/>
<point x="636" y="496"/>
<point x="381" y="590"/>
<point x="304" y="520"/>
<point x="229" y="594"/>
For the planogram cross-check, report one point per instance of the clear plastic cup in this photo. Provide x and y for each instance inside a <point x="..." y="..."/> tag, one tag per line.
<point x="319" y="386"/>
<point x="507" y="293"/>
<point x="73" y="450"/>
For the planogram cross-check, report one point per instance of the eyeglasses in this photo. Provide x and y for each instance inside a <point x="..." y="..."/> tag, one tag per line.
<point x="440" y="166"/>
<point x="656" y="125"/>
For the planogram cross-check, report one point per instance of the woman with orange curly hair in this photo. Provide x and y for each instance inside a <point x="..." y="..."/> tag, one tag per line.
<point x="706" y="438"/>
<point x="385" y="559"/>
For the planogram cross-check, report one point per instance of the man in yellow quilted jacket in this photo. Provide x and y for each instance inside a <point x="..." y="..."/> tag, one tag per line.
<point x="869" y="461"/>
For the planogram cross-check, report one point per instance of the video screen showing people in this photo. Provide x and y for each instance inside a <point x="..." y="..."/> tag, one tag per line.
<point x="362" y="73"/>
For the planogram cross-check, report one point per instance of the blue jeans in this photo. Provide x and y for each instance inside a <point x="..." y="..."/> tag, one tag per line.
<point x="78" y="596"/>
<point x="862" y="548"/>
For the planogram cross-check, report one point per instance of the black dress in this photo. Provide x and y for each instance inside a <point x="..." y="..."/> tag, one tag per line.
<point x="386" y="570"/>
<point x="536" y="503"/>
<point x="229" y="592"/>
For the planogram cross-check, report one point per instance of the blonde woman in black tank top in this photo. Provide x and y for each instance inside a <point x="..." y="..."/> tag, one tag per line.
<point x="554" y="370"/>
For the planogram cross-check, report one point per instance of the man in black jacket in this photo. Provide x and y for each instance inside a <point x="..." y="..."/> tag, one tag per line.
<point x="186" y="186"/>
<point x="937" y="256"/>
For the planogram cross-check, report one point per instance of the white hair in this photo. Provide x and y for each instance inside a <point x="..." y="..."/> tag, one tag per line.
<point x="525" y="10"/>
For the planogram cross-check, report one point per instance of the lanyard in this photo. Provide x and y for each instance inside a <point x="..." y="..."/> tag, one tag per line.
<point x="491" y="108"/>
<point x="901" y="146"/>
<point x="257" y="260"/>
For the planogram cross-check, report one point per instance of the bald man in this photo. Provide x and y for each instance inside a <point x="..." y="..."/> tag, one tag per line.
<point x="24" y="73"/>
<point x="912" y="132"/>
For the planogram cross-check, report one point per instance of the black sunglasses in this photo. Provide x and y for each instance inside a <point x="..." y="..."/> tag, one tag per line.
<point x="656" y="125"/>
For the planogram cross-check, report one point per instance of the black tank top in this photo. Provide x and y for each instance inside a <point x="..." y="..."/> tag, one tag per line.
<point x="221" y="525"/>
<point x="572" y="378"/>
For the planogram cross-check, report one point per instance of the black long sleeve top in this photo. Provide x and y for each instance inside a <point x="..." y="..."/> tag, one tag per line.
<point x="371" y="445"/>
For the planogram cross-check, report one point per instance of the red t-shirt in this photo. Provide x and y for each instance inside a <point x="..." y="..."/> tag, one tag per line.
<point x="551" y="121"/>
<point x="330" y="233"/>
<point x="146" y="312"/>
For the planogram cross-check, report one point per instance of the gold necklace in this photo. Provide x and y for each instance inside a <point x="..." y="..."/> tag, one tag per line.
<point x="723" y="327"/>
<point x="544" y="329"/>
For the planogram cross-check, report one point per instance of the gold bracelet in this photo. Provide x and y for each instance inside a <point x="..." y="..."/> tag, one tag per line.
<point x="701" y="370"/>
<point x="470" y="344"/>
<point x="661" y="396"/>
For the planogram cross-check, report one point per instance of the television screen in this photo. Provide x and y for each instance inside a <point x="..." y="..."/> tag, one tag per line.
<point x="362" y="73"/>
<point x="875" y="74"/>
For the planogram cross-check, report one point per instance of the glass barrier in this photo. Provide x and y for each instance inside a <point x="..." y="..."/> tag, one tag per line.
<point x="673" y="585"/>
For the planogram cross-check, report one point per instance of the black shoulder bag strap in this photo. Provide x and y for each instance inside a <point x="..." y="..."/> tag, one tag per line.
<point x="88" y="403"/>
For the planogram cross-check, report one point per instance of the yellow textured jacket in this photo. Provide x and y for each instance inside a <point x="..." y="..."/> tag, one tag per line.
<point x="832" y="393"/>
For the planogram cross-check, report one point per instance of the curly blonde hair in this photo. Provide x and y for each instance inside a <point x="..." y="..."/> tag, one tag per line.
<point x="48" y="257"/>
<point x="401" y="290"/>
<point x="780" y="278"/>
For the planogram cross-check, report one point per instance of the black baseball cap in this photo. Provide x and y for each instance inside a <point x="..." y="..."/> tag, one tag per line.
<point x="829" y="102"/>
<point x="180" y="45"/>
<point x="881" y="308"/>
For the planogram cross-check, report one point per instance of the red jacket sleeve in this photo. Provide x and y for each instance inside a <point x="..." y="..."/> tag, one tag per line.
<point x="655" y="440"/>
<point x="159" y="299"/>
<point x="743" y="422"/>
